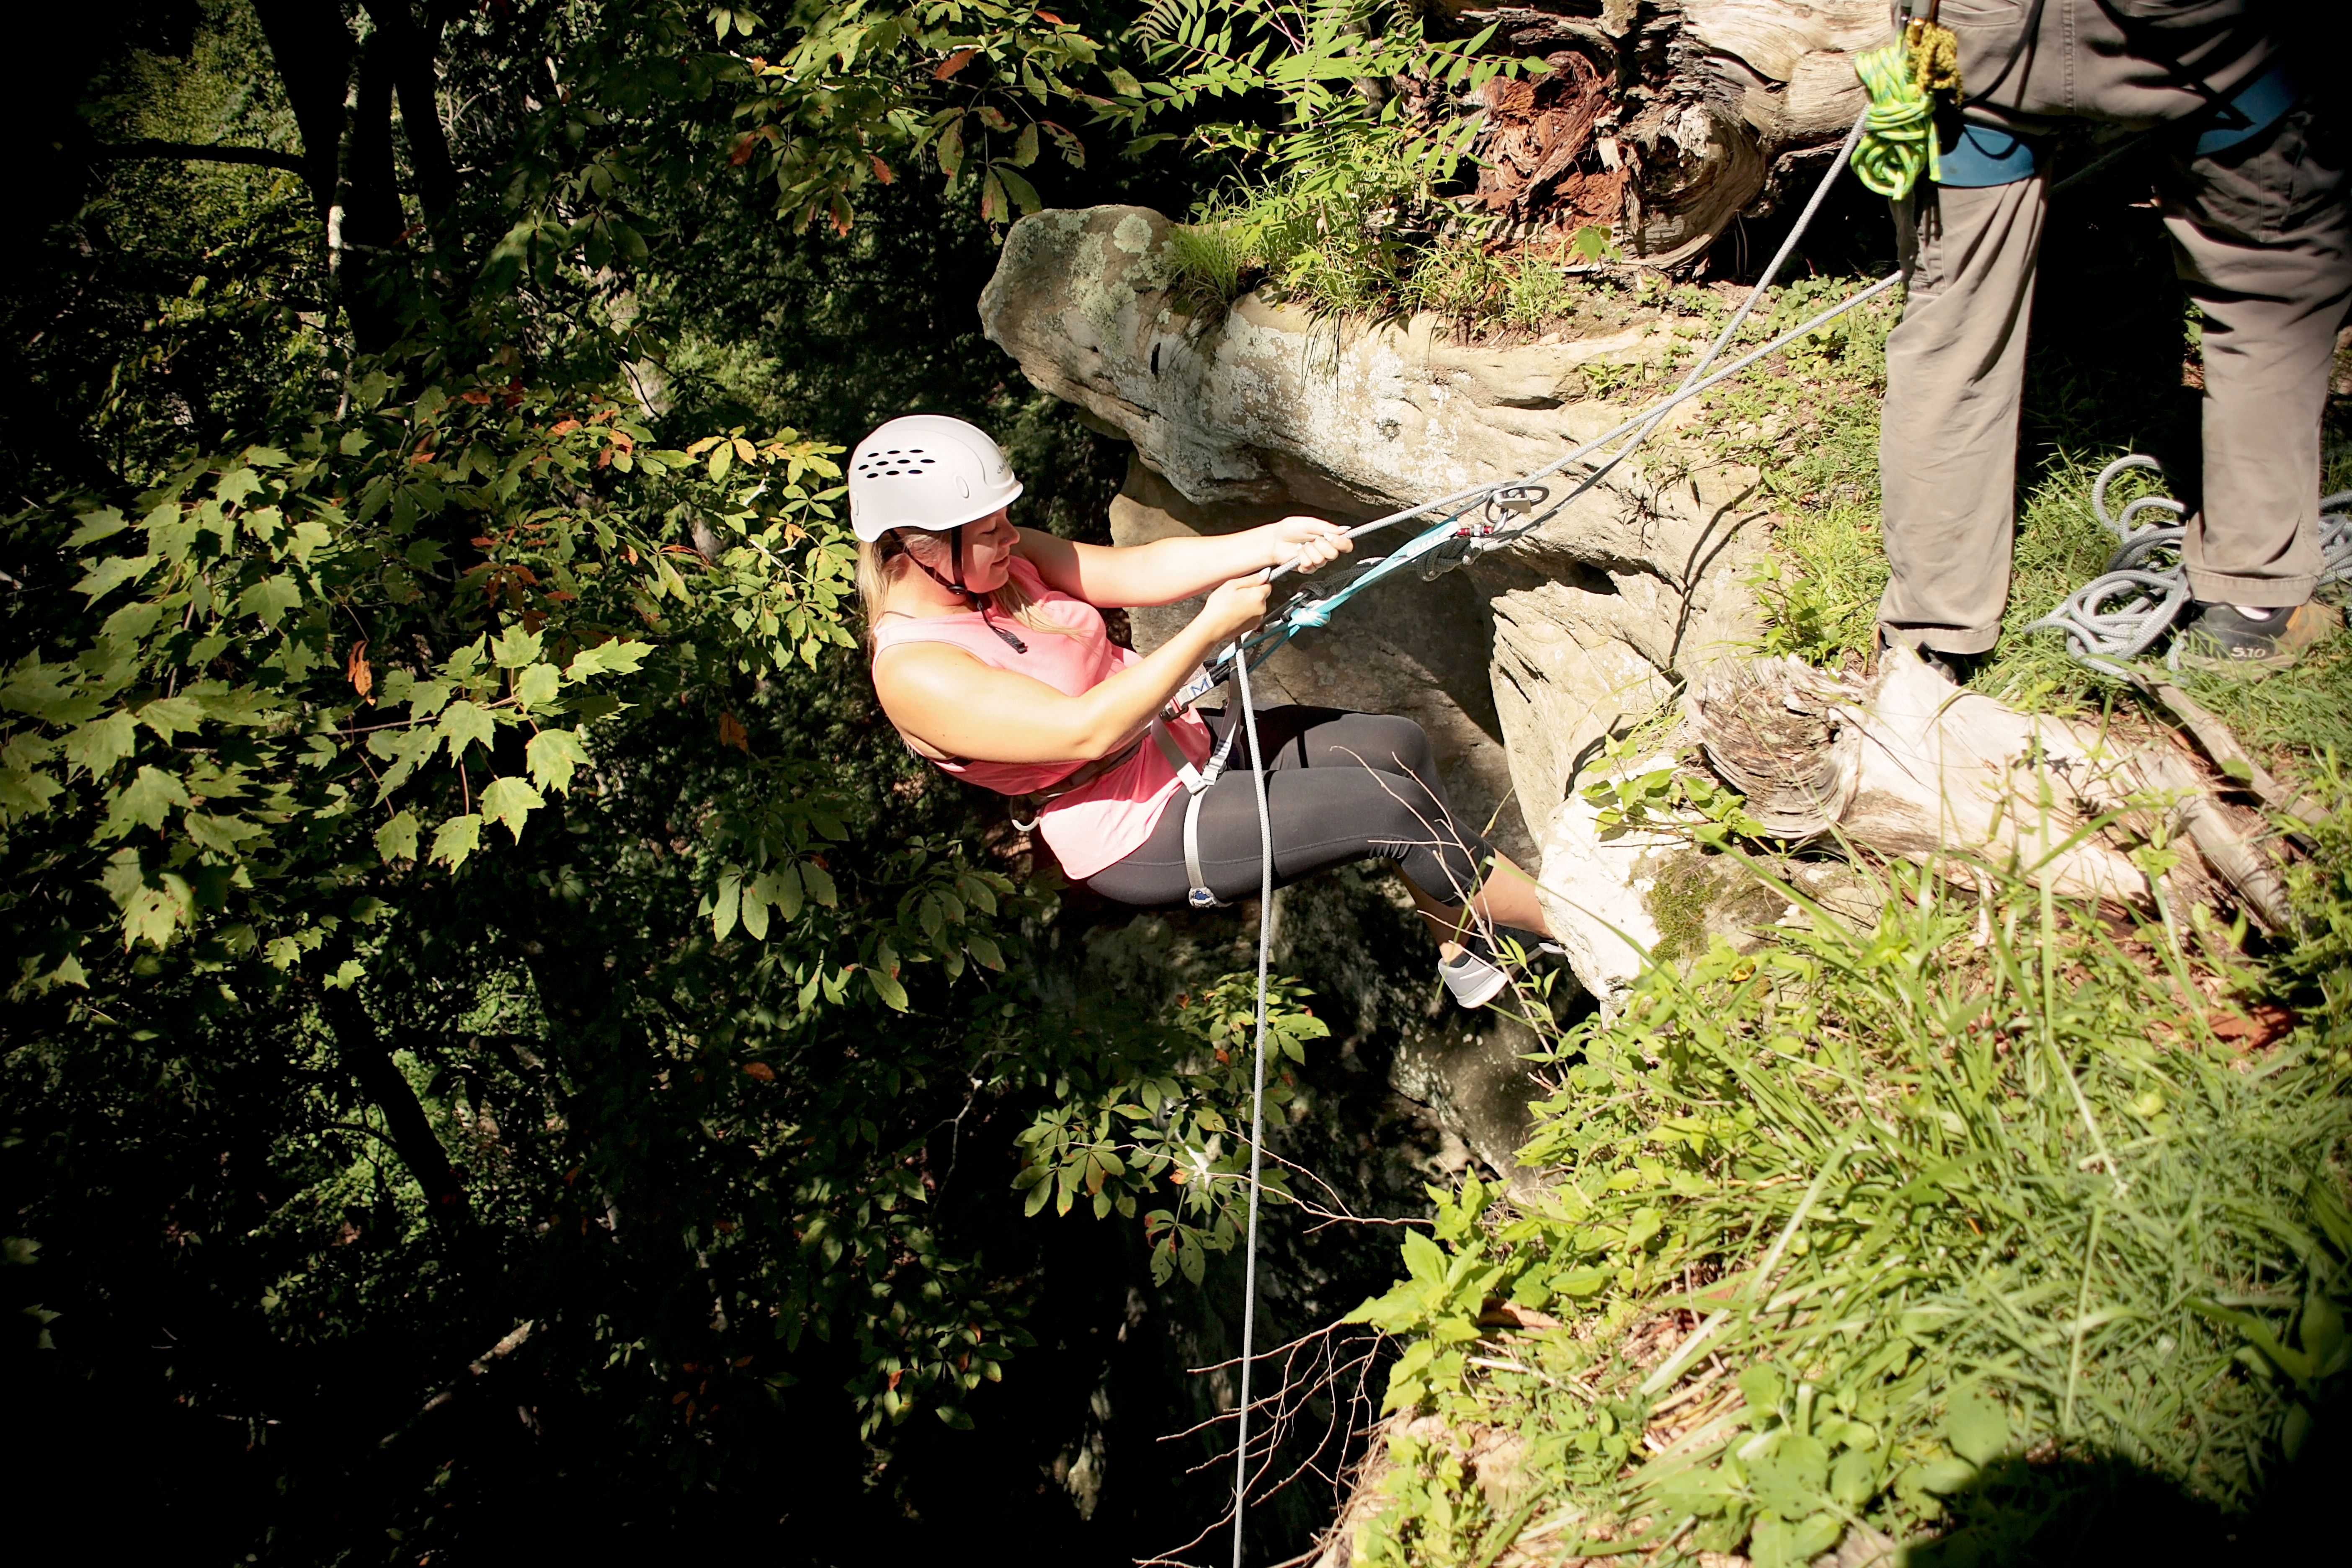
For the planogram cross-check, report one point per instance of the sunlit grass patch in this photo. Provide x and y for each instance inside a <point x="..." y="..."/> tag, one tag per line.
<point x="1999" y="1229"/>
<point x="1889" y="1229"/>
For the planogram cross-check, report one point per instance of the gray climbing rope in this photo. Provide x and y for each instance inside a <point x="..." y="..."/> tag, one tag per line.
<point x="1481" y="518"/>
<point x="1257" y="1097"/>
<point x="2126" y="610"/>
<point x="1490" y="516"/>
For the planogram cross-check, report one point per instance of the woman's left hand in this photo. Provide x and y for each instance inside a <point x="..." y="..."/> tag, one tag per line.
<point x="1306" y="543"/>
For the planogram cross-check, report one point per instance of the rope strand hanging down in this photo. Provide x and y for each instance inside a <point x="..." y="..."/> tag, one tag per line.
<point x="1445" y="546"/>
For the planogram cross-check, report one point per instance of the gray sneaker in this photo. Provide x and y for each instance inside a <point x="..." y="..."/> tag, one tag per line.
<point x="1472" y="980"/>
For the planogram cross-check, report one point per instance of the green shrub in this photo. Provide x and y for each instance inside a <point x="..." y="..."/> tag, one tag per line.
<point x="1954" y="1219"/>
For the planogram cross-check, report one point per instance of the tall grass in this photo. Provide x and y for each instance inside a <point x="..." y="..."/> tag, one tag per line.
<point x="1371" y="240"/>
<point x="2001" y="1229"/>
<point x="1887" y="1229"/>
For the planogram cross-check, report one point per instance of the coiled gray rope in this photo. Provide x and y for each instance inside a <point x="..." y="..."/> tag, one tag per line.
<point x="2126" y="610"/>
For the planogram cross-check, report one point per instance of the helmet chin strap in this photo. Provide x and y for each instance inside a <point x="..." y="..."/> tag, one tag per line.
<point x="978" y="601"/>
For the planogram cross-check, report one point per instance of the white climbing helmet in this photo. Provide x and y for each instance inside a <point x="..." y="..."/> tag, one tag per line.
<point x="927" y="471"/>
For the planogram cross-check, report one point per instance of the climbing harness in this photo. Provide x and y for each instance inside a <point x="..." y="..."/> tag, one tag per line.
<point x="2126" y="610"/>
<point x="1196" y="783"/>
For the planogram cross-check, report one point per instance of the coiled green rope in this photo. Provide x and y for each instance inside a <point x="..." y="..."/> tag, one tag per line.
<point x="1898" y="137"/>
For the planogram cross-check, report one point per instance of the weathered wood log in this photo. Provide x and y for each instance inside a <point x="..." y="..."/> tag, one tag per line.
<point x="1665" y="119"/>
<point x="1905" y="765"/>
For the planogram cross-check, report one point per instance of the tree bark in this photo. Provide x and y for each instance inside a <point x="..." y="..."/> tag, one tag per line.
<point x="313" y="51"/>
<point x="1702" y="111"/>
<point x="373" y="228"/>
<point x="362" y="1050"/>
<point x="414" y="50"/>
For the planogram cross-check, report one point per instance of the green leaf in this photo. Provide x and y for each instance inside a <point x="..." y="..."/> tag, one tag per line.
<point x="538" y="684"/>
<point x="1762" y="1387"/>
<point x="406" y="748"/>
<point x="1422" y="1259"/>
<point x="1946" y="1476"/>
<point x="463" y="722"/>
<point x="456" y="839"/>
<point x="1780" y="1544"/>
<point x="153" y="905"/>
<point x="47" y="692"/>
<point x="95" y="526"/>
<point x="96" y="746"/>
<point x="1024" y="195"/>
<point x="781" y="888"/>
<point x="725" y="905"/>
<point x="225" y="704"/>
<point x="396" y="839"/>
<point x="1791" y="1480"/>
<point x="1855" y="1478"/>
<point x="893" y="995"/>
<point x="515" y="648"/>
<point x="167" y="716"/>
<point x="1975" y="1424"/>
<point x="819" y="883"/>
<point x="552" y="756"/>
<point x="425" y="697"/>
<point x="619" y="656"/>
<point x="147" y="799"/>
<point x="111" y="573"/>
<point x="24" y="792"/>
<point x="509" y="800"/>
<point x="222" y="834"/>
<point x="271" y="599"/>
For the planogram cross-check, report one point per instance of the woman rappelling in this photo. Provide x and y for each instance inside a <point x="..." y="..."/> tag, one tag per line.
<point x="991" y="657"/>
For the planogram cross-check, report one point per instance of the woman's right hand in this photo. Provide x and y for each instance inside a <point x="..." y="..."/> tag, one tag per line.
<point x="1234" y="607"/>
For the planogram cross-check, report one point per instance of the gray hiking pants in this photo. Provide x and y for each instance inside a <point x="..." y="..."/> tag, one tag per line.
<point x="2261" y="236"/>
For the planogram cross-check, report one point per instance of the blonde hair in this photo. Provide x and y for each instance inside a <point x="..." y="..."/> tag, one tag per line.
<point x="880" y="562"/>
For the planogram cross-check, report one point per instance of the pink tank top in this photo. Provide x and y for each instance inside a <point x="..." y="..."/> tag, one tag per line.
<point x="1090" y="828"/>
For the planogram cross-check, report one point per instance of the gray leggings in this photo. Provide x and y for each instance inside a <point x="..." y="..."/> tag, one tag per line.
<point x="1339" y="786"/>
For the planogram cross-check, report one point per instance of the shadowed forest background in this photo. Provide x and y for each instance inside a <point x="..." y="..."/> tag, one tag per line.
<point x="505" y="1051"/>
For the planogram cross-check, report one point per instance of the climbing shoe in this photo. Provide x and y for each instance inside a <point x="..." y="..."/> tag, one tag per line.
<point x="2225" y="638"/>
<point x="1474" y="981"/>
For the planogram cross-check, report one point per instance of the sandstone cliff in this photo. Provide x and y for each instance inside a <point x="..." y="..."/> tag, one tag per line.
<point x="1520" y="664"/>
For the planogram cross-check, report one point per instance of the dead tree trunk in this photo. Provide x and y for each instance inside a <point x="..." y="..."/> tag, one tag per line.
<point x="1665" y="119"/>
